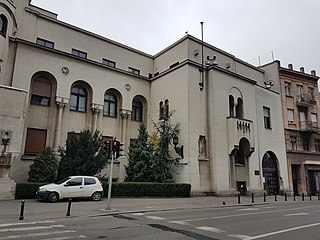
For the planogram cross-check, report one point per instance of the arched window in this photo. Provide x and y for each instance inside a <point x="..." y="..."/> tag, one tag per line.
<point x="166" y="107"/>
<point x="239" y="108"/>
<point x="161" y="110"/>
<point x="110" y="105"/>
<point x="269" y="161"/>
<point x="231" y="106"/>
<point x="137" y="110"/>
<point x="3" y="24"/>
<point x="242" y="152"/>
<point x="78" y="100"/>
<point x="41" y="91"/>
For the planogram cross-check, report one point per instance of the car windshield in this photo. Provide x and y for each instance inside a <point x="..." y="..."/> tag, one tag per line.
<point x="63" y="180"/>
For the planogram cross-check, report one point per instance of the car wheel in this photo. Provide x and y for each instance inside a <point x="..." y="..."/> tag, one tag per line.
<point x="53" y="197"/>
<point x="96" y="196"/>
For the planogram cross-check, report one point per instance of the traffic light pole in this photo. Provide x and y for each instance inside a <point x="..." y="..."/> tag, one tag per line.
<point x="110" y="182"/>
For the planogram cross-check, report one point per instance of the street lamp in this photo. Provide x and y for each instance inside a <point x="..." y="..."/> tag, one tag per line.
<point x="179" y="150"/>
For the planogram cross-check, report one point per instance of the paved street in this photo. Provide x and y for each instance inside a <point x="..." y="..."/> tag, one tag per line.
<point x="167" y="218"/>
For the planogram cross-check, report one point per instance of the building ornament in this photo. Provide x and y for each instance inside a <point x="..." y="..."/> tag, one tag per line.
<point x="96" y="108"/>
<point x="65" y="70"/>
<point x="244" y="126"/>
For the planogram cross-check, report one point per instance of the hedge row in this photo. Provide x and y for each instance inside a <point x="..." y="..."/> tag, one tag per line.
<point x="134" y="189"/>
<point x="126" y="189"/>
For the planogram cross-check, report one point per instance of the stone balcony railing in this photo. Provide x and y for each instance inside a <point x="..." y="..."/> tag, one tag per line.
<point x="237" y="129"/>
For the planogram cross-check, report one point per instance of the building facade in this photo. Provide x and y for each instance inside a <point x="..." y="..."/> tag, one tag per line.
<point x="56" y="79"/>
<point x="300" y="99"/>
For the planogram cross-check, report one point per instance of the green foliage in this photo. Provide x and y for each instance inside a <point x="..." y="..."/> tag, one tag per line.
<point x="140" y="189"/>
<point x="27" y="190"/>
<point x="140" y="165"/>
<point x="44" y="168"/>
<point x="164" y="162"/>
<point x="149" y="156"/>
<point x="82" y="156"/>
<point x="130" y="189"/>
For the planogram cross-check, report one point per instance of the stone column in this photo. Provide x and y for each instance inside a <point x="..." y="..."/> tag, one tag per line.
<point x="61" y="103"/>
<point x="124" y="125"/>
<point x="125" y="130"/>
<point x="96" y="109"/>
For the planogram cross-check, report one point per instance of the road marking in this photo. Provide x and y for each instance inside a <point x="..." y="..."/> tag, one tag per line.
<point x="155" y="217"/>
<point x="180" y="222"/>
<point x="195" y="219"/>
<point x="239" y="236"/>
<point x="36" y="234"/>
<point x="248" y="209"/>
<point x="295" y="214"/>
<point x="282" y="231"/>
<point x="137" y="214"/>
<point x="30" y="228"/>
<point x="265" y="212"/>
<point x="25" y="223"/>
<point x="64" y="238"/>
<point x="210" y="229"/>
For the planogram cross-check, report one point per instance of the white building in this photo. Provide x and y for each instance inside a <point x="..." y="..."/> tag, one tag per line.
<point x="56" y="78"/>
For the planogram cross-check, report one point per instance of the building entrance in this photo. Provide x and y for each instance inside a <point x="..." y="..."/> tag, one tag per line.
<point x="270" y="173"/>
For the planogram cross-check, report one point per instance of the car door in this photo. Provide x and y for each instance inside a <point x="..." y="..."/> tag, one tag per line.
<point x="73" y="188"/>
<point x="90" y="186"/>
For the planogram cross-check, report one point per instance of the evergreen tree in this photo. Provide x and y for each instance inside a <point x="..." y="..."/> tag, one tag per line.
<point x="164" y="163"/>
<point x="45" y="167"/>
<point x="140" y="162"/>
<point x="83" y="155"/>
<point x="149" y="156"/>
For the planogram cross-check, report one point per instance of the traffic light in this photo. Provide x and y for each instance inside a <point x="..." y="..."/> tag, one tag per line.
<point x="114" y="146"/>
<point x="106" y="148"/>
<point x="120" y="149"/>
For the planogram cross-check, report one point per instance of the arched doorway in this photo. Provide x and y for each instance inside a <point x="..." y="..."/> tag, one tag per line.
<point x="270" y="173"/>
<point x="239" y="166"/>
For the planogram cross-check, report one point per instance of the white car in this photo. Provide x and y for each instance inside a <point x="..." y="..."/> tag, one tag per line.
<point x="72" y="187"/>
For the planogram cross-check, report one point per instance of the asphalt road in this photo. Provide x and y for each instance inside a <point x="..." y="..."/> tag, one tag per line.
<point x="294" y="220"/>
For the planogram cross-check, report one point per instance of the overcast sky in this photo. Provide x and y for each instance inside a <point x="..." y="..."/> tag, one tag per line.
<point x="287" y="29"/>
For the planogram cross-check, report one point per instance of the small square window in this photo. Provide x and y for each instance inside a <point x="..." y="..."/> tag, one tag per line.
<point x="79" y="53"/>
<point x="108" y="63"/>
<point x="134" y="71"/>
<point x="45" y="43"/>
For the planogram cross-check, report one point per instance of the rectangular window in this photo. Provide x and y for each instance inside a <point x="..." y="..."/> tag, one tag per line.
<point x="287" y="87"/>
<point x="290" y="116"/>
<point x="305" y="143"/>
<point x="314" y="120"/>
<point x="134" y="71"/>
<point x="300" y="97"/>
<point x="293" y="143"/>
<point x="317" y="145"/>
<point x="266" y="117"/>
<point x="40" y="100"/>
<point x="45" y="43"/>
<point x="35" y="141"/>
<point x="310" y="94"/>
<point x="79" y="53"/>
<point x="108" y="63"/>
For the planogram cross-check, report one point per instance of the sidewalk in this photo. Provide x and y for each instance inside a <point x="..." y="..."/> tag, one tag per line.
<point x="35" y="210"/>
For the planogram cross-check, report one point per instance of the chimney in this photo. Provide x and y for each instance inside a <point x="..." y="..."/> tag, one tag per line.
<point x="290" y="66"/>
<point x="313" y="72"/>
<point x="302" y="69"/>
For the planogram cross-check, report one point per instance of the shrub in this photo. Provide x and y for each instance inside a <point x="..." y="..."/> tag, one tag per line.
<point x="44" y="168"/>
<point x="135" y="189"/>
<point x="126" y="189"/>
